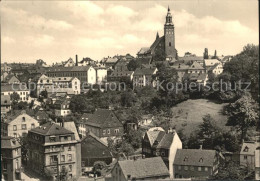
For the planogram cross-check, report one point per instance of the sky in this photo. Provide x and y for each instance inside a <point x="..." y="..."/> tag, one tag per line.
<point x="57" y="30"/>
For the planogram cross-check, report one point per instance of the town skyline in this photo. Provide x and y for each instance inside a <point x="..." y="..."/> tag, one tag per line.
<point x="91" y="28"/>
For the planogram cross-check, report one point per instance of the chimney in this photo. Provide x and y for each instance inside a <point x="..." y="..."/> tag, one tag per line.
<point x="201" y="147"/>
<point x="76" y="60"/>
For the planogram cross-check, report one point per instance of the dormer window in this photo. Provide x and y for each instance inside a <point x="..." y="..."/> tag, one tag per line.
<point x="23" y="119"/>
<point x="246" y="149"/>
<point x="201" y="160"/>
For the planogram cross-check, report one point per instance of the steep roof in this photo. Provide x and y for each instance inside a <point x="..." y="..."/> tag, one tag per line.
<point x="144" y="60"/>
<point x="160" y="139"/>
<point x="8" y="142"/>
<point x="143" y="50"/>
<point x="111" y="60"/>
<point x="248" y="148"/>
<point x="101" y="118"/>
<point x="195" y="66"/>
<point x="70" y="125"/>
<point x="144" y="168"/>
<point x="155" y="43"/>
<point x="191" y="58"/>
<point x="49" y="129"/>
<point x="195" y="157"/>
<point x="211" y="62"/>
<point x="90" y="134"/>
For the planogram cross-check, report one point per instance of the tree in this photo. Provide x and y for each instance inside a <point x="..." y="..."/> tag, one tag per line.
<point x="230" y="170"/>
<point x="22" y="105"/>
<point x="245" y="67"/>
<point x="128" y="98"/>
<point x="243" y="114"/>
<point x="133" y="65"/>
<point x="15" y="97"/>
<point x="206" y="54"/>
<point x="159" y="55"/>
<point x="134" y="137"/>
<point x="80" y="104"/>
<point x="99" y="168"/>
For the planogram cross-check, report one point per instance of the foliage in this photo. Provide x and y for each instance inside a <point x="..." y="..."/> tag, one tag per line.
<point x="159" y="55"/>
<point x="243" y="114"/>
<point x="80" y="104"/>
<point x="15" y="97"/>
<point x="230" y="170"/>
<point x="245" y="67"/>
<point x="134" y="137"/>
<point x="22" y="105"/>
<point x="206" y="54"/>
<point x="128" y="98"/>
<point x="133" y="65"/>
<point x="99" y="167"/>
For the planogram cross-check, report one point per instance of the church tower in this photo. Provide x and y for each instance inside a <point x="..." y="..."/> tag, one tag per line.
<point x="170" y="51"/>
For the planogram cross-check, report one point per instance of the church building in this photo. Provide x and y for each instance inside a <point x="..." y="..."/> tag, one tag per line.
<point x="164" y="44"/>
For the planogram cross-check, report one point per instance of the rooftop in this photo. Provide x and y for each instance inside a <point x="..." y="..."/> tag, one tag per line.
<point x="49" y="129"/>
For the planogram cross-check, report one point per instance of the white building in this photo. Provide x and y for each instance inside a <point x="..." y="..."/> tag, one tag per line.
<point x="20" y="89"/>
<point x="216" y="69"/>
<point x="101" y="74"/>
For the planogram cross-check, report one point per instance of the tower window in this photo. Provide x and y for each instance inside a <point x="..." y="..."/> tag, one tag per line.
<point x="170" y="44"/>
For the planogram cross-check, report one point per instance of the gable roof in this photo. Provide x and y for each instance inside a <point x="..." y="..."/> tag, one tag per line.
<point x="71" y="69"/>
<point x="144" y="168"/>
<point x="251" y="147"/>
<point x="144" y="60"/>
<point x="111" y="60"/>
<point x="196" y="65"/>
<point x="49" y="129"/>
<point x="143" y="50"/>
<point x="90" y="134"/>
<point x="214" y="66"/>
<point x="8" y="142"/>
<point x="70" y="125"/>
<point x="102" y="118"/>
<point x="211" y="62"/>
<point x="191" y="58"/>
<point x="195" y="157"/>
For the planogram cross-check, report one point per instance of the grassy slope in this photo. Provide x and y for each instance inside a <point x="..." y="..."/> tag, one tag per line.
<point x="188" y="114"/>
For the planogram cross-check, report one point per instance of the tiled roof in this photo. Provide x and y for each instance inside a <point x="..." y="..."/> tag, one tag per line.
<point x="211" y="62"/>
<point x="51" y="129"/>
<point x="166" y="141"/>
<point x="155" y="43"/>
<point x="248" y="148"/>
<point x="144" y="50"/>
<point x="144" y="71"/>
<point x="213" y="67"/>
<point x="111" y="60"/>
<point x="95" y="137"/>
<point x="144" y="168"/>
<point x="5" y="100"/>
<point x="8" y="142"/>
<point x="195" y="157"/>
<point x="180" y="66"/>
<point x="152" y="135"/>
<point x="71" y="69"/>
<point x="121" y="73"/>
<point x="160" y="139"/>
<point x="13" y="87"/>
<point x="196" y="66"/>
<point x="102" y="118"/>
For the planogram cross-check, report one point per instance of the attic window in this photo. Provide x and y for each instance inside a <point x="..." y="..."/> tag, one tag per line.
<point x="246" y="149"/>
<point x="23" y="119"/>
<point x="201" y="160"/>
<point x="185" y="159"/>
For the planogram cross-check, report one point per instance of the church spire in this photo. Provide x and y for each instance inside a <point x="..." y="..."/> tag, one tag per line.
<point x="169" y="8"/>
<point x="157" y="35"/>
<point x="169" y="17"/>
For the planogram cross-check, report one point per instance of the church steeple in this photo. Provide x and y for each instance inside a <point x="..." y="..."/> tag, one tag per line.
<point x="168" y="17"/>
<point x="157" y="35"/>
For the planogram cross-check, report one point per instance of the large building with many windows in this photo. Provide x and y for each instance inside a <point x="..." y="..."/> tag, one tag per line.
<point x="54" y="150"/>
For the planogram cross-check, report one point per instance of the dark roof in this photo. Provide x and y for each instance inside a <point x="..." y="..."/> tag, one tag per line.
<point x="90" y="134"/>
<point x="8" y="142"/>
<point x="13" y="87"/>
<point x="144" y="168"/>
<point x="101" y="118"/>
<point x="143" y="50"/>
<point x="144" y="71"/>
<point x="144" y="60"/>
<point x="71" y="69"/>
<point x="195" y="157"/>
<point x="51" y="129"/>
<point x="191" y="58"/>
<point x="159" y="139"/>
<point x="121" y="73"/>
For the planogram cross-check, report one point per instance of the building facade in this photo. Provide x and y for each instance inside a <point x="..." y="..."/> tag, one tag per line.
<point x="18" y="125"/>
<point x="10" y="158"/>
<point x="54" y="150"/>
<point x="20" y="89"/>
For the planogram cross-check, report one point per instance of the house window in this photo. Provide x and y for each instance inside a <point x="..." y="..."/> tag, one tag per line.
<point x="23" y="119"/>
<point x="192" y="168"/>
<point x="16" y="164"/>
<point x="199" y="168"/>
<point x="179" y="167"/>
<point x="53" y="159"/>
<point x="246" y="149"/>
<point x="162" y="154"/>
<point x="104" y="131"/>
<point x="70" y="168"/>
<point x="245" y="157"/>
<point x="32" y="125"/>
<point x="14" y="127"/>
<point x="170" y="44"/>
<point x="5" y="165"/>
<point x="15" y="135"/>
<point x="69" y="149"/>
<point x="186" y="167"/>
<point x="52" y="139"/>
<point x="201" y="160"/>
<point x="69" y="157"/>
<point x="62" y="158"/>
<point x="206" y="168"/>
<point x="24" y="126"/>
<point x="108" y="131"/>
<point x="185" y="159"/>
